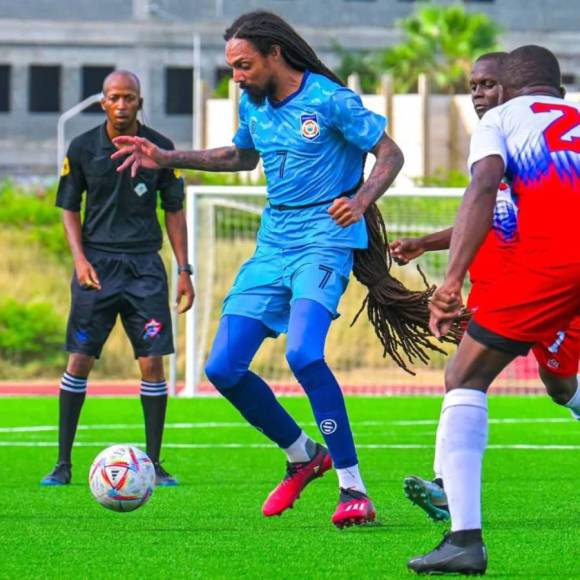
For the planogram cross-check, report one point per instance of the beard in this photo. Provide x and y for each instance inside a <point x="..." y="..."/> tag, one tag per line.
<point x="259" y="94"/>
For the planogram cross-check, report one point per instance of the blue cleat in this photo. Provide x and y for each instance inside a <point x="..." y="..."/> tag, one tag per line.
<point x="429" y="496"/>
<point x="162" y="478"/>
<point x="60" y="475"/>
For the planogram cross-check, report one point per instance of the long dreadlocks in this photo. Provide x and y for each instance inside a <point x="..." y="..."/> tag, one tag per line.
<point x="399" y="316"/>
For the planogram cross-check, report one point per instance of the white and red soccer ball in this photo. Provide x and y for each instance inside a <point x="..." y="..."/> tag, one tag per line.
<point x="122" y="478"/>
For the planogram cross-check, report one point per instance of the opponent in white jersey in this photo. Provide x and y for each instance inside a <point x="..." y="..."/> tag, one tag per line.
<point x="533" y="141"/>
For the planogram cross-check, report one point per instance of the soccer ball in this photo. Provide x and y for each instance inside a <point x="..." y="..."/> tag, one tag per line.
<point x="122" y="478"/>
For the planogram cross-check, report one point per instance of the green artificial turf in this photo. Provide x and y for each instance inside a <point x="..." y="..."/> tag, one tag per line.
<point x="211" y="525"/>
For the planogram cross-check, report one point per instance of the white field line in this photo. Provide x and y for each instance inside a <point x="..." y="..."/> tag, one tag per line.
<point x="241" y="424"/>
<point x="102" y="444"/>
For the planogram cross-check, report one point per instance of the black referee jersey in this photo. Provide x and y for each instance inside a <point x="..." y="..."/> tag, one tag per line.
<point x="120" y="211"/>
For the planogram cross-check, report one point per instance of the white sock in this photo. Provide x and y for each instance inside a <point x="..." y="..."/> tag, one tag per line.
<point x="349" y="478"/>
<point x="464" y="419"/>
<point x="437" y="467"/>
<point x="298" y="452"/>
<point x="574" y="403"/>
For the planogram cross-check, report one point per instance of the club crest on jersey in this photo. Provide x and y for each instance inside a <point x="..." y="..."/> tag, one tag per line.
<point x="309" y="126"/>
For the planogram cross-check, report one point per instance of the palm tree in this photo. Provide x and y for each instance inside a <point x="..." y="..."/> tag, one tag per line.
<point x="441" y="41"/>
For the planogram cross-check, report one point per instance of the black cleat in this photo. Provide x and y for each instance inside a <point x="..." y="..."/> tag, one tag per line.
<point x="428" y="495"/>
<point x="450" y="558"/>
<point x="162" y="478"/>
<point x="60" y="475"/>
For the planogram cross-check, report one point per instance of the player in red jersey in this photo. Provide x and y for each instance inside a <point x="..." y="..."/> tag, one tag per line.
<point x="557" y="357"/>
<point x="533" y="140"/>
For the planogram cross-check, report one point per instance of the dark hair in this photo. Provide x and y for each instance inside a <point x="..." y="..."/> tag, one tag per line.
<point x="399" y="316"/>
<point x="494" y="56"/>
<point x="266" y="30"/>
<point x="530" y="66"/>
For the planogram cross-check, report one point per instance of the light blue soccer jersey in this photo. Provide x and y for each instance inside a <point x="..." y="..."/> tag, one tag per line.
<point x="312" y="145"/>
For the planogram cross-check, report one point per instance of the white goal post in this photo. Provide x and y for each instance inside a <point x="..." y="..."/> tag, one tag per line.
<point x="213" y="240"/>
<point x="223" y="221"/>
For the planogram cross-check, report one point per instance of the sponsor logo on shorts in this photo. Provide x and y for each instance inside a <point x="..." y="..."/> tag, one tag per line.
<point x="82" y="336"/>
<point x="328" y="426"/>
<point x="309" y="126"/>
<point x="555" y="346"/>
<point x="152" y="329"/>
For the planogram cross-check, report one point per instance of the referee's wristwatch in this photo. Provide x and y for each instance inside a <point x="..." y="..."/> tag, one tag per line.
<point x="187" y="268"/>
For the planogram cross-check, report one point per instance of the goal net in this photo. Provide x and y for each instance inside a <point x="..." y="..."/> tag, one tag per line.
<point x="225" y="221"/>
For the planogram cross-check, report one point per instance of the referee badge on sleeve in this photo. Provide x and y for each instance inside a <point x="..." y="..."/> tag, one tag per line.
<point x="65" y="168"/>
<point x="309" y="126"/>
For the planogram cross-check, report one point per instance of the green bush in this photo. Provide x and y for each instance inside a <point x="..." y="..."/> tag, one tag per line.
<point x="30" y="332"/>
<point x="21" y="208"/>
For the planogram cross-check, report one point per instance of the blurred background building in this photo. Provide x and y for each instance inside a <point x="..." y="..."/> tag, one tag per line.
<point x="54" y="53"/>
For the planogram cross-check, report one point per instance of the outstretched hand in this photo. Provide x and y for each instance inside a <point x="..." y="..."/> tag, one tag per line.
<point x="445" y="306"/>
<point x="405" y="250"/>
<point x="140" y="152"/>
<point x="345" y="211"/>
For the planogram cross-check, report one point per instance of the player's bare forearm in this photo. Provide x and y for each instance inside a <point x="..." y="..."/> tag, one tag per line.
<point x="436" y="241"/>
<point x="219" y="159"/>
<point x="177" y="234"/>
<point x="389" y="161"/>
<point x="73" y="231"/>
<point x="475" y="215"/>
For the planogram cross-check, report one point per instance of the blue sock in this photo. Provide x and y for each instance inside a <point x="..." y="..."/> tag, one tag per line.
<point x="236" y="342"/>
<point x="307" y="330"/>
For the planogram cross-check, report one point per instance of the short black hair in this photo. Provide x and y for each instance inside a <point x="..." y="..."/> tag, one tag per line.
<point x="530" y="66"/>
<point x="495" y="56"/>
<point x="265" y="30"/>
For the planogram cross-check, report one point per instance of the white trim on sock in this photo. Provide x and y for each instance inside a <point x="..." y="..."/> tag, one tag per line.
<point x="350" y="478"/>
<point x="297" y="452"/>
<point x="73" y="384"/>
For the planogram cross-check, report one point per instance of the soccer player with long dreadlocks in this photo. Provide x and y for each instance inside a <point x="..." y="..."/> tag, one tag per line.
<point x="312" y="135"/>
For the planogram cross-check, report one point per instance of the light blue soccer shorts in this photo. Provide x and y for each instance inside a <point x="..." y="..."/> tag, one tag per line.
<point x="273" y="278"/>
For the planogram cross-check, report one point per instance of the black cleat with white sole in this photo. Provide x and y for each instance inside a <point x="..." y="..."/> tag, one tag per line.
<point x="459" y="553"/>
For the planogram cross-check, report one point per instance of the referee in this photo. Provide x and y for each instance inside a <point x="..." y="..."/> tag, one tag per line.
<point x="118" y="270"/>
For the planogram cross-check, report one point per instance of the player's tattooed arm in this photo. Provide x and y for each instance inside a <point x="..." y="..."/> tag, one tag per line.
<point x="389" y="161"/>
<point x="136" y="152"/>
<point x="219" y="159"/>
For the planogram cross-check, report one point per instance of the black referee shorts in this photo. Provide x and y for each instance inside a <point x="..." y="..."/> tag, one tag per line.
<point x="133" y="286"/>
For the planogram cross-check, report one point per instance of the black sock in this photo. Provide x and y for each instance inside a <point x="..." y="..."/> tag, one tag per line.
<point x="154" y="408"/>
<point x="70" y="405"/>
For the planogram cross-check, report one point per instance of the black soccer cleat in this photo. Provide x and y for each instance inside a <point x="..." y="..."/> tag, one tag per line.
<point x="428" y="495"/>
<point x="162" y="478"/>
<point x="450" y="558"/>
<point x="60" y="475"/>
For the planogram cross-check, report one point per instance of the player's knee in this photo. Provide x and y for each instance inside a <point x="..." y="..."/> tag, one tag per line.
<point x="561" y="389"/>
<point x="152" y="368"/>
<point x="299" y="358"/>
<point x="80" y="365"/>
<point x="220" y="372"/>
